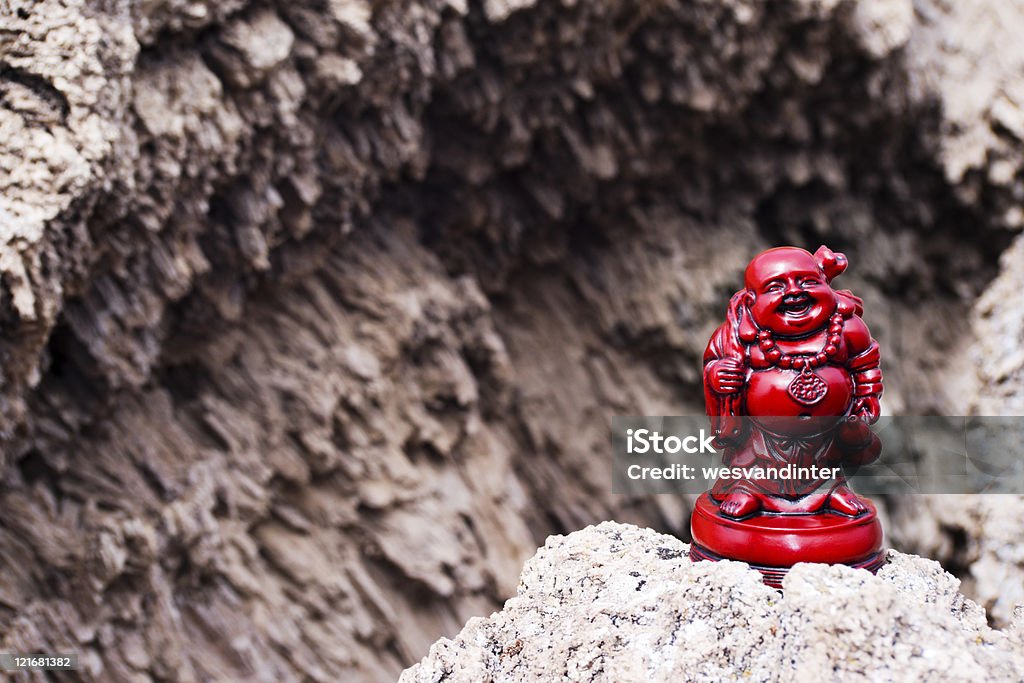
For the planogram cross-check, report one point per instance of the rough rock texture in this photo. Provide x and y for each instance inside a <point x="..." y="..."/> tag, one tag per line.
<point x="982" y="537"/>
<point x="619" y="603"/>
<point x="314" y="312"/>
<point x="979" y="537"/>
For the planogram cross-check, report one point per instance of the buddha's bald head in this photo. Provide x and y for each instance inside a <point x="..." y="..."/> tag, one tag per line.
<point x="778" y="262"/>
<point x="788" y="291"/>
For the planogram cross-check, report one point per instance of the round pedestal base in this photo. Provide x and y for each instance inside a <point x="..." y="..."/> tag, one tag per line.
<point x="772" y="543"/>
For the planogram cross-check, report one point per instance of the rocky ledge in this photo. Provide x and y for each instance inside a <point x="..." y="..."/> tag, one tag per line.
<point x="615" y="602"/>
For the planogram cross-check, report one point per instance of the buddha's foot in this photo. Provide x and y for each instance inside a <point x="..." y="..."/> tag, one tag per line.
<point x="739" y="504"/>
<point x="846" y="502"/>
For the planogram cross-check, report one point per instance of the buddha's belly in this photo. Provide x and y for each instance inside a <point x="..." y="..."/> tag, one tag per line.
<point x="768" y="397"/>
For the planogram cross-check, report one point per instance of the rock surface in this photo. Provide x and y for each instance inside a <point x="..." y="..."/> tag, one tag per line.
<point x="618" y="603"/>
<point x="982" y="536"/>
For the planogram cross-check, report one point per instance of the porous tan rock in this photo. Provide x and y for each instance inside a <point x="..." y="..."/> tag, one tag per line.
<point x="982" y="535"/>
<point x="618" y="603"/>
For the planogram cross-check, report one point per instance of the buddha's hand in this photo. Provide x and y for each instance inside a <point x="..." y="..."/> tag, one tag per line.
<point x="868" y="409"/>
<point x="726" y="375"/>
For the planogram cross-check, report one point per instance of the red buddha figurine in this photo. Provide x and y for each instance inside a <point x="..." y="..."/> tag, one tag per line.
<point x="791" y="383"/>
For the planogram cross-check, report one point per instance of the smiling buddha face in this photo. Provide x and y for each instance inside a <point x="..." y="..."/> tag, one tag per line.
<point x="787" y="292"/>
